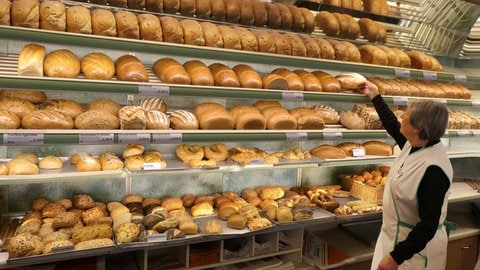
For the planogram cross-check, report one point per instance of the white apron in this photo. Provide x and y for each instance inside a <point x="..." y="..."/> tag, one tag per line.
<point x="400" y="206"/>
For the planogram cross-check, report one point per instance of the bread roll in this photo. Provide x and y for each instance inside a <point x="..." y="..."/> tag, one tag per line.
<point x="103" y="22"/>
<point x="260" y="13"/>
<point x="237" y="221"/>
<point x="199" y="72"/>
<point x="9" y="120"/>
<point x="30" y="60"/>
<point x="78" y="20"/>
<point x="265" y="41"/>
<point x="232" y="11"/>
<point x="203" y="9"/>
<point x="248" y="40"/>
<point x="274" y="20"/>
<point x="231" y="40"/>
<point x="218" y="10"/>
<point x="293" y="80"/>
<point x="172" y="29"/>
<point x="97" y="66"/>
<point x="129" y="68"/>
<point x="213" y="36"/>
<point x="247" y="76"/>
<point x="25" y="13"/>
<point x="132" y="117"/>
<point x="223" y="75"/>
<point x="171" y="6"/>
<point x="329" y="83"/>
<point x="66" y="106"/>
<point x="47" y="119"/>
<point x="170" y="70"/>
<point x="5" y="6"/>
<point x="32" y="96"/>
<point x="50" y="163"/>
<point x="192" y="32"/>
<point x="61" y="63"/>
<point x="127" y="24"/>
<point x="17" y="106"/>
<point x="97" y="119"/>
<point x="52" y="16"/>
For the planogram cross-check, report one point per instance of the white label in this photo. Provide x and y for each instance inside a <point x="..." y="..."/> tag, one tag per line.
<point x="460" y="77"/>
<point x="23" y="139"/>
<point x="96" y="138"/>
<point x="157" y="237"/>
<point x="150" y="166"/>
<point x="430" y="75"/>
<point x="475" y="103"/>
<point x="292" y="96"/>
<point x="476" y="133"/>
<point x="358" y="152"/>
<point x="333" y="136"/>
<point x="64" y="248"/>
<point x="257" y="161"/>
<point x="154" y="90"/>
<point x="443" y="101"/>
<point x="402" y="73"/>
<point x="463" y="133"/>
<point x="300" y="136"/>
<point x="167" y="138"/>
<point x="134" y="138"/>
<point x="400" y="100"/>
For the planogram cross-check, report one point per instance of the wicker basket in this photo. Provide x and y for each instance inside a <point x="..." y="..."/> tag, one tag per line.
<point x="346" y="182"/>
<point x="367" y="193"/>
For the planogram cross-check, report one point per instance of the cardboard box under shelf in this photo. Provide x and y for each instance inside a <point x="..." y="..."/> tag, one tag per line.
<point x="367" y="193"/>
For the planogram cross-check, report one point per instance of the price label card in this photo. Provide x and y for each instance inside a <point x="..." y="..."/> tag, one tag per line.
<point x="96" y="138"/>
<point x="257" y="161"/>
<point x="157" y="237"/>
<point x="460" y="77"/>
<point x="298" y="136"/>
<point x="430" y="75"/>
<point x="154" y="90"/>
<point x="475" y="103"/>
<point x="151" y="166"/>
<point x="402" y="73"/>
<point x="23" y="139"/>
<point x="463" y="133"/>
<point x="333" y="136"/>
<point x="134" y="138"/>
<point x="167" y="138"/>
<point x="358" y="152"/>
<point x="443" y="101"/>
<point x="476" y="133"/>
<point x="400" y="100"/>
<point x="292" y="96"/>
<point x="64" y="248"/>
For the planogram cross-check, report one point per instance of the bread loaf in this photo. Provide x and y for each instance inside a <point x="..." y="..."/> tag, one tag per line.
<point x="296" y="44"/>
<point x="97" y="119"/>
<point x="153" y="104"/>
<point x="66" y="106"/>
<point x="377" y="148"/>
<point x="17" y="106"/>
<point x="103" y="22"/>
<point x="282" y="44"/>
<point x="307" y="118"/>
<point x="274" y="19"/>
<point x="182" y="119"/>
<point x="129" y="68"/>
<point x="78" y="20"/>
<point x="311" y="46"/>
<point x="260" y="13"/>
<point x="376" y="6"/>
<point x="203" y="9"/>
<point x="61" y="63"/>
<point x="265" y="41"/>
<point x="403" y="58"/>
<point x="328" y="152"/>
<point x="328" y="23"/>
<point x="127" y="24"/>
<point x="341" y="52"/>
<point x="47" y="119"/>
<point x="419" y="60"/>
<point x="200" y="74"/>
<point x="218" y="10"/>
<point x="171" y="29"/>
<point x="52" y="16"/>
<point x="248" y="117"/>
<point x="30" y="60"/>
<point x="232" y="11"/>
<point x="310" y="81"/>
<point x="213" y="36"/>
<point x="215" y="119"/>
<point x="353" y="54"/>
<point x="154" y="5"/>
<point x="97" y="66"/>
<point x="32" y="96"/>
<point x="371" y="54"/>
<point x="309" y="20"/>
<point x="247" y="76"/>
<point x="224" y="75"/>
<point x="274" y="81"/>
<point x="285" y="15"/>
<point x="9" y="120"/>
<point x="132" y="117"/>
<point x="5" y="6"/>
<point x="117" y="3"/>
<point x="246" y="12"/>
<point x="104" y="105"/>
<point x="170" y="70"/>
<point x="192" y="32"/>
<point x="248" y="40"/>
<point x="327" y="51"/>
<point x="157" y="120"/>
<point x="25" y="13"/>
<point x="351" y="80"/>
<point x="230" y="37"/>
<point x="293" y="80"/>
<point x="171" y="6"/>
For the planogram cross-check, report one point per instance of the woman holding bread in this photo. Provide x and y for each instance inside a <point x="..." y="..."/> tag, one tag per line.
<point x="414" y="233"/>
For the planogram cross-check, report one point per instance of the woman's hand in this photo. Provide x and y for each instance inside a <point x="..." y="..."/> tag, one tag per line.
<point x="370" y="90"/>
<point x="387" y="263"/>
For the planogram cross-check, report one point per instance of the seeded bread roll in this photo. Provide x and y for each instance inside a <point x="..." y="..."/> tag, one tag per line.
<point x="66" y="106"/>
<point x="97" y="66"/>
<point x="97" y="119"/>
<point x="52" y="16"/>
<point x="25" y="13"/>
<point x="170" y="70"/>
<point x="61" y="63"/>
<point x="78" y="20"/>
<point x="103" y="23"/>
<point x="5" y="6"/>
<point x="47" y="119"/>
<point x="172" y="30"/>
<point x="127" y="24"/>
<point x="30" y="60"/>
<point x="130" y="68"/>
<point x="192" y="32"/>
<point x="149" y="27"/>
<point x="199" y="72"/>
<point x="213" y="36"/>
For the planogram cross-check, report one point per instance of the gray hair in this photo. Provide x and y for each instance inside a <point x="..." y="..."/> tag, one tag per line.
<point x="430" y="117"/>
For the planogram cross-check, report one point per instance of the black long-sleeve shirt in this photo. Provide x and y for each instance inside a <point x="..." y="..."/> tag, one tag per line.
<point x="431" y="191"/>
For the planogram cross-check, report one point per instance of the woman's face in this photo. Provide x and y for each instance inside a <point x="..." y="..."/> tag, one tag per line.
<point x="406" y="128"/>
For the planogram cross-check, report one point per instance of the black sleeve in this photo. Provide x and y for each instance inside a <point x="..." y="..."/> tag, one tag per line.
<point x="389" y="120"/>
<point x="431" y="193"/>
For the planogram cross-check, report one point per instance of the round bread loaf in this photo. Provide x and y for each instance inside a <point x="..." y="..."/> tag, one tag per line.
<point x="104" y="105"/>
<point x="199" y="73"/>
<point x="182" y="119"/>
<point x="103" y="22"/>
<point x="97" y="119"/>
<point x="97" y="66"/>
<point x="213" y="36"/>
<point x="52" y="16"/>
<point x="25" y="13"/>
<point x="65" y="106"/>
<point x="192" y="32"/>
<point x="171" y="29"/>
<point x="61" y="63"/>
<point x="130" y="68"/>
<point x="127" y="24"/>
<point x="47" y="119"/>
<point x="153" y="104"/>
<point x="157" y="120"/>
<point x="170" y="70"/>
<point x="30" y="60"/>
<point x="149" y="27"/>
<point x="132" y="117"/>
<point x="78" y="20"/>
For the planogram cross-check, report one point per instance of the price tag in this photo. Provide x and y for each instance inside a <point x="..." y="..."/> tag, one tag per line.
<point x="23" y="139"/>
<point x="358" y="152"/>
<point x="333" y="136"/>
<point x="167" y="138"/>
<point x="460" y="77"/>
<point x="476" y="133"/>
<point x="299" y="136"/>
<point x="64" y="248"/>
<point x="157" y="237"/>
<point x="134" y="138"/>
<point x="154" y="90"/>
<point x="475" y="103"/>
<point x="96" y="138"/>
<point x="430" y="75"/>
<point x="257" y="161"/>
<point x="292" y="96"/>
<point x="463" y="133"/>
<point x="400" y="100"/>
<point x="402" y="73"/>
<point x="151" y="166"/>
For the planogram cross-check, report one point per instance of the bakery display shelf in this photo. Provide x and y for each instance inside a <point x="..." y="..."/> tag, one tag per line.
<point x="160" y="239"/>
<point x="181" y="50"/>
<point x="462" y="191"/>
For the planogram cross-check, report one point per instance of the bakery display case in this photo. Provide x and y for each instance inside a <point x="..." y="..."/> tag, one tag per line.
<point x="176" y="178"/>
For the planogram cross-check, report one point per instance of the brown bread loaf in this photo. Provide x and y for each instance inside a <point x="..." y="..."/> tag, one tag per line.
<point x="103" y="22"/>
<point x="260" y="13"/>
<point x="97" y="66"/>
<point x="274" y="20"/>
<point x="199" y="72"/>
<point x="203" y="9"/>
<point x="231" y="40"/>
<point x="25" y="13"/>
<point x="192" y="32"/>
<point x="247" y="76"/>
<point x="129" y="68"/>
<point x="96" y="119"/>
<point x="172" y="30"/>
<point x="66" y="106"/>
<point x="154" y="5"/>
<point x="224" y="75"/>
<point x="265" y="41"/>
<point x="61" y="63"/>
<point x="213" y="36"/>
<point x="127" y="24"/>
<point x="171" y="6"/>
<point x="78" y="20"/>
<point x="5" y="6"/>
<point x="52" y="16"/>
<point x="218" y="10"/>
<point x="248" y="40"/>
<point x="47" y="119"/>
<point x="149" y="27"/>
<point x="232" y="11"/>
<point x="170" y="70"/>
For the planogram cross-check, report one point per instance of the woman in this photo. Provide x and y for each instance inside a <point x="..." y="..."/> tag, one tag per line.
<point x="416" y="194"/>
